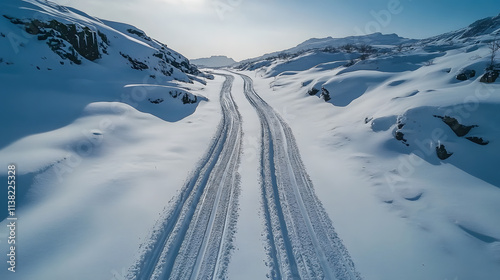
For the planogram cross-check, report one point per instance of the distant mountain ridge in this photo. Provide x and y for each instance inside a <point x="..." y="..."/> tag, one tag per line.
<point x="370" y="39"/>
<point x="214" y="61"/>
<point x="354" y="48"/>
<point x="485" y="26"/>
<point x="375" y="39"/>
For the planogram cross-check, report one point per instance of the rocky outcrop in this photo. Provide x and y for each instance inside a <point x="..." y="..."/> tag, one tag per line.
<point x="399" y="135"/>
<point x="462" y="130"/>
<point x="325" y="94"/>
<point x="490" y="76"/>
<point x="156" y="101"/>
<point x="185" y="97"/>
<point x="69" y="41"/>
<point x="459" y="129"/>
<point x="139" y="34"/>
<point x="442" y="153"/>
<point x="313" y="91"/>
<point x="478" y="140"/>
<point x="466" y="74"/>
<point x="135" y="64"/>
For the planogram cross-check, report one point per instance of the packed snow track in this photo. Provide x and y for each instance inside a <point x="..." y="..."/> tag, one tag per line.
<point x="194" y="237"/>
<point x="302" y="243"/>
<point x="193" y="240"/>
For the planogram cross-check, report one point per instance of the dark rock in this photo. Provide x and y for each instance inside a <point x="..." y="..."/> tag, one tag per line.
<point x="466" y="74"/>
<point x="490" y="76"/>
<point x="459" y="129"/>
<point x="137" y="65"/>
<point x="400" y="136"/>
<point x="83" y="41"/>
<point x="159" y="55"/>
<point x="33" y="27"/>
<point x="156" y="101"/>
<point x="313" y="91"/>
<point x="187" y="100"/>
<point x="13" y="19"/>
<point x="442" y="153"/>
<point x="325" y="94"/>
<point x="43" y="37"/>
<point x="58" y="45"/>
<point x="478" y="140"/>
<point x="139" y="34"/>
<point x="103" y="36"/>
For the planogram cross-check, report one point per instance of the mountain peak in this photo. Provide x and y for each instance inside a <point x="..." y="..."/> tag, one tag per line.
<point x="370" y="39"/>
<point x="214" y="61"/>
<point x="489" y="27"/>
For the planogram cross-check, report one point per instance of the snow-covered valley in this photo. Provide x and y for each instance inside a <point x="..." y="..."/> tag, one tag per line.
<point x="369" y="157"/>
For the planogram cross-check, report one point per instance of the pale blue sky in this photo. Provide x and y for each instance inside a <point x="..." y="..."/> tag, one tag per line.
<point x="248" y="28"/>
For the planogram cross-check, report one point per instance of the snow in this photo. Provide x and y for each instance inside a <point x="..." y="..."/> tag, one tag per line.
<point x="248" y="260"/>
<point x="97" y="162"/>
<point x="103" y="150"/>
<point x="375" y="39"/>
<point x="401" y="212"/>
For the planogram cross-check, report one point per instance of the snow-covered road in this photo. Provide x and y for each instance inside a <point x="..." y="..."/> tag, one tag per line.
<point x="193" y="239"/>
<point x="302" y="243"/>
<point x="194" y="236"/>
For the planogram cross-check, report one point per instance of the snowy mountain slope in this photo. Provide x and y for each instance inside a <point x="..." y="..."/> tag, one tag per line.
<point x="483" y="27"/>
<point x="104" y="125"/>
<point x="403" y="153"/>
<point x="49" y="43"/>
<point x="95" y="115"/>
<point x="214" y="61"/>
<point x="77" y="36"/>
<point x="375" y="39"/>
<point x="331" y="45"/>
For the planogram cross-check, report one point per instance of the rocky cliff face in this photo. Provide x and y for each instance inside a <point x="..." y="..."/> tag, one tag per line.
<point x="76" y="37"/>
<point x="69" y="41"/>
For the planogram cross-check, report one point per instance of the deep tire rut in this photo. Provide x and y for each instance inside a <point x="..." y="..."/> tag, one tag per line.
<point x="302" y="242"/>
<point x="194" y="238"/>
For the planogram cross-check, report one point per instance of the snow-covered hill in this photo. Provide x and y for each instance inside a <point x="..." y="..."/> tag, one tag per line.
<point x="57" y="48"/>
<point x="329" y="45"/>
<point x="214" y="61"/>
<point x="375" y="39"/>
<point x="396" y="140"/>
<point x="94" y="114"/>
<point x="402" y="144"/>
<point x="482" y="27"/>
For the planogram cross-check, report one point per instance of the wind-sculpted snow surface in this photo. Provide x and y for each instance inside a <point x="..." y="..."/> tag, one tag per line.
<point x="194" y="239"/>
<point x="302" y="243"/>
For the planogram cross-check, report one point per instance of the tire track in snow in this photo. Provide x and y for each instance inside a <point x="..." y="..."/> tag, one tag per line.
<point x="302" y="243"/>
<point x="194" y="239"/>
